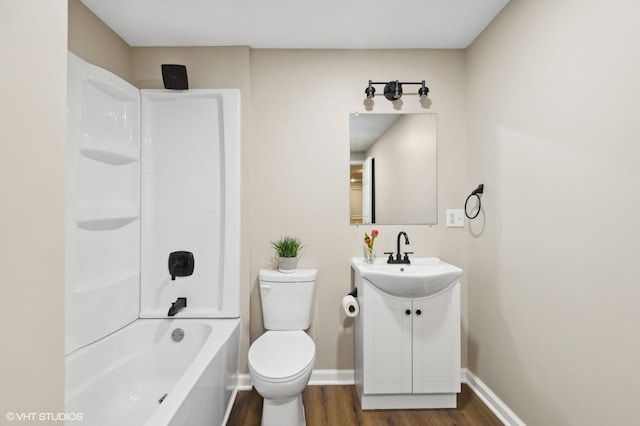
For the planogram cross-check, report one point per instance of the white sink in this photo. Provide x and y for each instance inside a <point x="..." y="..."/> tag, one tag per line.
<point x="424" y="276"/>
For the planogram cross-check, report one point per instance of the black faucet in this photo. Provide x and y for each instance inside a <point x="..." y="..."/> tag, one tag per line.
<point x="399" y="258"/>
<point x="177" y="306"/>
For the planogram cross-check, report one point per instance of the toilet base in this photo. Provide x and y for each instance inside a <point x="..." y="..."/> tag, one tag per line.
<point x="283" y="412"/>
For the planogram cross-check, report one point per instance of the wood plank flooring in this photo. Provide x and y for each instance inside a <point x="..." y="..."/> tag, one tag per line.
<point x="340" y="406"/>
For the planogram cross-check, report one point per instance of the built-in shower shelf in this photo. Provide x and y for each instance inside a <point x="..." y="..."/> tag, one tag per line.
<point x="106" y="218"/>
<point x="108" y="151"/>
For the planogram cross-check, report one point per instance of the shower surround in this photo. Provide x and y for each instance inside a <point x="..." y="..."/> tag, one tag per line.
<point x="150" y="173"/>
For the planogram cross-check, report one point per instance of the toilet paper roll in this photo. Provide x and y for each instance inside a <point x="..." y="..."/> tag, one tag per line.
<point x="350" y="306"/>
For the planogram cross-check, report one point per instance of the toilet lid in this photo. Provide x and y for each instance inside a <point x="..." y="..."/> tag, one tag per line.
<point x="281" y="354"/>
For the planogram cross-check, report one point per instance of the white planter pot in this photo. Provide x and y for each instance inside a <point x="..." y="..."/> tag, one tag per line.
<point x="287" y="265"/>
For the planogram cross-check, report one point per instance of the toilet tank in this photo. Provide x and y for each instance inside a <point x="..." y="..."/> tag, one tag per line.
<point x="287" y="299"/>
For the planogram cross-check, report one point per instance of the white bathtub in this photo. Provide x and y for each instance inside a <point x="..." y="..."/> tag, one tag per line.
<point x="120" y="379"/>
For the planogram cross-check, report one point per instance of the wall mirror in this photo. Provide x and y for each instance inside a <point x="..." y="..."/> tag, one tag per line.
<point x="393" y="177"/>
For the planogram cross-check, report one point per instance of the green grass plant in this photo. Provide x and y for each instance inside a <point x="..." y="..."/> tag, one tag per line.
<point x="287" y="246"/>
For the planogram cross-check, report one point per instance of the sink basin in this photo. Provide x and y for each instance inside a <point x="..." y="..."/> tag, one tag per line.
<point x="423" y="277"/>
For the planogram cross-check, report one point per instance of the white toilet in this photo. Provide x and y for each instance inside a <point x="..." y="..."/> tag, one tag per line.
<point x="281" y="360"/>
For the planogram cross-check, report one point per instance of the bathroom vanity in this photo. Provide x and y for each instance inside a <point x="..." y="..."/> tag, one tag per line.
<point x="407" y="335"/>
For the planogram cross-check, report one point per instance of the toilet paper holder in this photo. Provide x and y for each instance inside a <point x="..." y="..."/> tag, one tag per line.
<point x="350" y="304"/>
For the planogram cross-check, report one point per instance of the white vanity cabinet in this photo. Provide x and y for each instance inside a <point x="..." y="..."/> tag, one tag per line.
<point x="407" y="350"/>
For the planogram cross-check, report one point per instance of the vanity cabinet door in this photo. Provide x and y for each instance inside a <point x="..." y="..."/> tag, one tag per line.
<point x="388" y="344"/>
<point x="436" y="348"/>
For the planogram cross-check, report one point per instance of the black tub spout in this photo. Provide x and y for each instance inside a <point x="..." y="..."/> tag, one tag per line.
<point x="177" y="306"/>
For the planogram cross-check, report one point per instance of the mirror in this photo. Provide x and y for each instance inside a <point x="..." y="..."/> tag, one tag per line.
<point x="393" y="168"/>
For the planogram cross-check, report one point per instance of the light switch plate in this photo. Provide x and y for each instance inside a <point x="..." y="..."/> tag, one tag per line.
<point x="455" y="218"/>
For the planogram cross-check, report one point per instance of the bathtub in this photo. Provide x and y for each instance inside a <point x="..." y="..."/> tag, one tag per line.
<point x="123" y="378"/>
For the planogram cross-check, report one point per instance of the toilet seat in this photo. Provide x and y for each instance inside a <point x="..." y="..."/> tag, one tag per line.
<point x="280" y="356"/>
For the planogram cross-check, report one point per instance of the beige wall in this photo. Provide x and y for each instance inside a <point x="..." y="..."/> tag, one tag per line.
<point x="554" y="134"/>
<point x="298" y="170"/>
<point x="92" y="40"/>
<point x="33" y="58"/>
<point x="207" y="67"/>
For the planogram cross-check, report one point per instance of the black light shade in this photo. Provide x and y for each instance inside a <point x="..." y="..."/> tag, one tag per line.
<point x="423" y="91"/>
<point x="370" y="91"/>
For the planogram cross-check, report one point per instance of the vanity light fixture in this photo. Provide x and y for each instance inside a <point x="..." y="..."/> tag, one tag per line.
<point x="393" y="89"/>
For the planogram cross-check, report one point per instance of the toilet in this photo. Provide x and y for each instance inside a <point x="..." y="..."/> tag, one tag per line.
<point x="281" y="360"/>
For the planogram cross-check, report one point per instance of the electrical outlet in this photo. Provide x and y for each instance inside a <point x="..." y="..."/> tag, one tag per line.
<point x="455" y="218"/>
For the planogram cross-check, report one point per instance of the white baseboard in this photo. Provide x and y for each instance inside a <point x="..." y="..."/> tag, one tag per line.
<point x="346" y="377"/>
<point x="490" y="399"/>
<point x="244" y="382"/>
<point x="318" y="378"/>
<point x="332" y="377"/>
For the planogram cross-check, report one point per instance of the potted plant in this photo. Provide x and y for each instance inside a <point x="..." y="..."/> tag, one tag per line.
<point x="287" y="249"/>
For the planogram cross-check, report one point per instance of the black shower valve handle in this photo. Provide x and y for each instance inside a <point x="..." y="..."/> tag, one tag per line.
<point x="181" y="264"/>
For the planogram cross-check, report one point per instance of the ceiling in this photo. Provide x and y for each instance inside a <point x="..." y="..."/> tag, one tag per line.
<point x="365" y="129"/>
<point x="303" y="24"/>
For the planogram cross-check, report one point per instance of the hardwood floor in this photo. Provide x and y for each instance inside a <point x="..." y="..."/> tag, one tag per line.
<point x="340" y="406"/>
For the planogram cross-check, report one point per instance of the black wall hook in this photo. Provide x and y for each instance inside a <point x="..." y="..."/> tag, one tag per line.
<point x="477" y="192"/>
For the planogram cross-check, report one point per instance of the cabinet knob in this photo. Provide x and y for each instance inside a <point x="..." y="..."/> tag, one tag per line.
<point x="418" y="312"/>
<point x="408" y="312"/>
